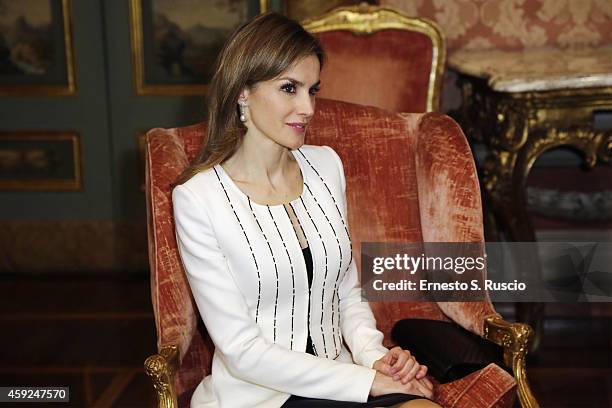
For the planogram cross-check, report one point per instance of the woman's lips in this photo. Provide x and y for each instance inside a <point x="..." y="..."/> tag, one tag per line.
<point x="298" y="127"/>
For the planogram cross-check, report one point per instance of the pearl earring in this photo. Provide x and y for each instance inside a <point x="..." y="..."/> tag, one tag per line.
<point x="242" y="106"/>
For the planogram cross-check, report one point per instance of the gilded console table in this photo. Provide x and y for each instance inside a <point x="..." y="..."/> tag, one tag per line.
<point x="521" y="104"/>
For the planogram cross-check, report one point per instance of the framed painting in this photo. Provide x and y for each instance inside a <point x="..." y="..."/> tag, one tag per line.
<point x="36" y="54"/>
<point x="40" y="160"/>
<point x="175" y="43"/>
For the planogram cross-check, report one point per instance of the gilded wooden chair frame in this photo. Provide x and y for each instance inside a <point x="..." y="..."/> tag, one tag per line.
<point x="161" y="368"/>
<point x="513" y="337"/>
<point x="365" y="19"/>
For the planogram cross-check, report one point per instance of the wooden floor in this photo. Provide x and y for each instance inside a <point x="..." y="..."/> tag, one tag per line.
<point x="573" y="366"/>
<point x="93" y="334"/>
<point x="89" y="334"/>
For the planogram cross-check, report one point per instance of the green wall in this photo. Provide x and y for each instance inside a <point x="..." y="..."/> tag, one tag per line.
<point x="106" y="112"/>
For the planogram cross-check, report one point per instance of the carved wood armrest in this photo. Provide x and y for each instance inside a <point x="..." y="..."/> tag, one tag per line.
<point x="161" y="368"/>
<point x="514" y="338"/>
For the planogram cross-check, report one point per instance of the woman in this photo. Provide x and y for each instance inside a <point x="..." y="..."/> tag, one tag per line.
<point x="262" y="233"/>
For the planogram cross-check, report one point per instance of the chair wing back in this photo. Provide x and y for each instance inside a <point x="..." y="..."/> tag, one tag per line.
<point x="410" y="178"/>
<point x="450" y="206"/>
<point x="380" y="57"/>
<point x="168" y="152"/>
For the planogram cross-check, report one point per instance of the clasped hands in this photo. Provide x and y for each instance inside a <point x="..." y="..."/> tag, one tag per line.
<point x="399" y="372"/>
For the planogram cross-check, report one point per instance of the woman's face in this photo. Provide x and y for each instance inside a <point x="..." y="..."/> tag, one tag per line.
<point x="280" y="109"/>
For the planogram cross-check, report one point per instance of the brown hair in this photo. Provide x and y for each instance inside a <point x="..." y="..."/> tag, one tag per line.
<point x="259" y="50"/>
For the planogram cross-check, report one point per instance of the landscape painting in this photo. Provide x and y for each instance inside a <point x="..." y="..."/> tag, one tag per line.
<point x="176" y="42"/>
<point x="36" y="48"/>
<point x="40" y="160"/>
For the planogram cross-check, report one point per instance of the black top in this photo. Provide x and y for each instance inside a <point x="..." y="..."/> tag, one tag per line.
<point x="308" y="261"/>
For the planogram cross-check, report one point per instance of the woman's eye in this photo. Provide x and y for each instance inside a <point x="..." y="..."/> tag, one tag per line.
<point x="313" y="91"/>
<point x="289" y="88"/>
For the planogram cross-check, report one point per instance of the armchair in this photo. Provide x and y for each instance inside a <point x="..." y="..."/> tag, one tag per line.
<point x="434" y="196"/>
<point x="380" y="57"/>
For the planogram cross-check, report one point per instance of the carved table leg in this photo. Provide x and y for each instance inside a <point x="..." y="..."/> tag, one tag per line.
<point x="505" y="178"/>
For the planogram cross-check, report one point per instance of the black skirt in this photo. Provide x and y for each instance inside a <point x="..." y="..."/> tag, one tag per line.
<point x="386" y="400"/>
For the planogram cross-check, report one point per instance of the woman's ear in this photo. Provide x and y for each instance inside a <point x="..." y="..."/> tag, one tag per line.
<point x="244" y="96"/>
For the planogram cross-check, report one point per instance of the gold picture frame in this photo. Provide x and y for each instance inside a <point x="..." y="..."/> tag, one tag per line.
<point x="41" y="63"/>
<point x="40" y="161"/>
<point x="143" y="51"/>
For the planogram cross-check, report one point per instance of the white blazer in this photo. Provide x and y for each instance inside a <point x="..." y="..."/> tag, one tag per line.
<point x="248" y="276"/>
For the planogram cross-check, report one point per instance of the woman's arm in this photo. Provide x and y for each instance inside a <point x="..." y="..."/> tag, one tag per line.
<point x="358" y="327"/>
<point x="357" y="321"/>
<point x="246" y="353"/>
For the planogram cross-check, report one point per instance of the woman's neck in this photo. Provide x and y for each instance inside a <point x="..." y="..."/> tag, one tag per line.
<point x="260" y="162"/>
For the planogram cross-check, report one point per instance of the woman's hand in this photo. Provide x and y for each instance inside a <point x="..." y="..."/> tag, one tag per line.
<point x="384" y="384"/>
<point x="400" y="365"/>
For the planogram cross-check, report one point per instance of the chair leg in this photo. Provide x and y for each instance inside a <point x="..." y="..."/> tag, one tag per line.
<point x="161" y="368"/>
<point x="514" y="338"/>
<point x="532" y="313"/>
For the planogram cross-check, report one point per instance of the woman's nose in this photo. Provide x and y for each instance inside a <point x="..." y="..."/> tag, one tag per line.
<point x="306" y="104"/>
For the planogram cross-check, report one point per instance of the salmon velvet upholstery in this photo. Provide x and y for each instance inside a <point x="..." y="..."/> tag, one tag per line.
<point x="410" y="178"/>
<point x="388" y="69"/>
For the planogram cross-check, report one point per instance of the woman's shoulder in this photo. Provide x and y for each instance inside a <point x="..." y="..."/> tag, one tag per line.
<point x="324" y="156"/>
<point x="325" y="162"/>
<point x="317" y="150"/>
<point x="201" y="184"/>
